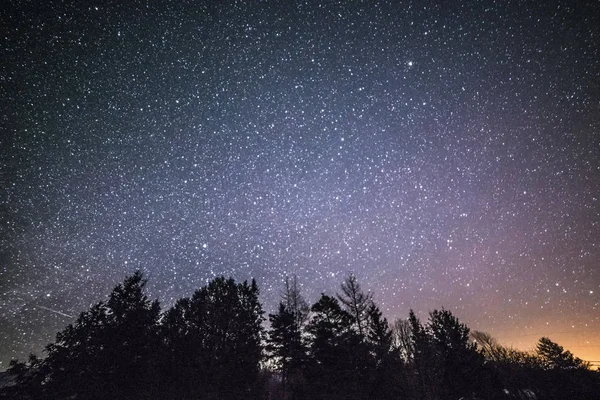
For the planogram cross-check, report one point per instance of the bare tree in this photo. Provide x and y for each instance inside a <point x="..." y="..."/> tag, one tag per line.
<point x="355" y="301"/>
<point x="489" y="346"/>
<point x="401" y="336"/>
<point x="294" y="301"/>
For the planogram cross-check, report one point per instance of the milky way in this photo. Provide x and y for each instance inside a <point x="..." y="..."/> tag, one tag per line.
<point x="447" y="154"/>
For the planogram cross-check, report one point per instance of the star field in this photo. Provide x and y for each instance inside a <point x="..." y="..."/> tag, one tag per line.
<point x="448" y="154"/>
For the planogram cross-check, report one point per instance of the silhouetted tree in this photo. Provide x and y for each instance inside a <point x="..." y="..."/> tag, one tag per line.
<point x="378" y="331"/>
<point x="27" y="378"/>
<point x="561" y="375"/>
<point x="286" y="349"/>
<point x="286" y="346"/>
<point x="401" y="339"/>
<point x="386" y="374"/>
<point x="337" y="368"/>
<point x="355" y="302"/>
<point x="294" y="301"/>
<point x="209" y="347"/>
<point x="426" y="381"/>
<point x="107" y="353"/>
<point x="553" y="356"/>
<point x="488" y="346"/>
<point x="214" y="343"/>
<point x="461" y="361"/>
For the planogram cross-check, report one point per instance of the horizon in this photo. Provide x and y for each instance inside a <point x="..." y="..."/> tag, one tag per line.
<point x="421" y="314"/>
<point x="447" y="154"/>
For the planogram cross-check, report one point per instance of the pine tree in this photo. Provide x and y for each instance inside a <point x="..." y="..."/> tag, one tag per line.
<point x="553" y="356"/>
<point x="385" y="364"/>
<point x="286" y="348"/>
<point x="379" y="333"/>
<point x="456" y="352"/>
<point x="426" y="383"/>
<point x="339" y="367"/>
<point x="214" y="341"/>
<point x="107" y="353"/>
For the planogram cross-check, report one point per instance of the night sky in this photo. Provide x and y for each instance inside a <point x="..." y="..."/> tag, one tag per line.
<point x="447" y="154"/>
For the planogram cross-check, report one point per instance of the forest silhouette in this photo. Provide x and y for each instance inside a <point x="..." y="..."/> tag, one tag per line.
<point x="218" y="344"/>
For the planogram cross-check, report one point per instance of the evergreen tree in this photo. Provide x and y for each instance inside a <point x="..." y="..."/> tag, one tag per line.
<point x="562" y="375"/>
<point x="553" y="356"/>
<point x="286" y="347"/>
<point x="209" y="347"/>
<point x="214" y="343"/>
<point x="385" y="365"/>
<point x="107" y="353"/>
<point x="428" y="368"/>
<point x="27" y="377"/>
<point x="461" y="361"/>
<point x="379" y="334"/>
<point x="339" y="367"/>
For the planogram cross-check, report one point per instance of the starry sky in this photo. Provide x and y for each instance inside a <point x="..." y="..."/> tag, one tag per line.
<point x="447" y="153"/>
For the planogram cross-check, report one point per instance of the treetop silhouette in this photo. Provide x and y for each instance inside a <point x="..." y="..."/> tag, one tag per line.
<point x="214" y="345"/>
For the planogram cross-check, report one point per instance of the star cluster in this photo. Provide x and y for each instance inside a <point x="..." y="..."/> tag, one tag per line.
<point x="446" y="153"/>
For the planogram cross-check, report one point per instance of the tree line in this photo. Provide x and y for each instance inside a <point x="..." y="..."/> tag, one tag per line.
<point x="217" y="344"/>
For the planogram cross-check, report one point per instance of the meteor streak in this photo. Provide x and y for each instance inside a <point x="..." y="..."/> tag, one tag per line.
<point x="54" y="311"/>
